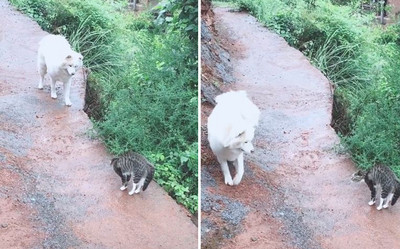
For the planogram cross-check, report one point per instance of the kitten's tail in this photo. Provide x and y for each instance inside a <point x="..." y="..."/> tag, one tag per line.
<point x="396" y="194"/>
<point x="149" y="177"/>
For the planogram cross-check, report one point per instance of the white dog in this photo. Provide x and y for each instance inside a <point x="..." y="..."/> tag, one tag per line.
<point x="56" y="58"/>
<point x="231" y="127"/>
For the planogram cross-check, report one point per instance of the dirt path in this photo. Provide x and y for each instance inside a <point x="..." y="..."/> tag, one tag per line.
<point x="296" y="191"/>
<point x="57" y="189"/>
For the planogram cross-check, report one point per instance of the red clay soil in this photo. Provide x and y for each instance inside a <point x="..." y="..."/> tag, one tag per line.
<point x="57" y="189"/>
<point x="296" y="191"/>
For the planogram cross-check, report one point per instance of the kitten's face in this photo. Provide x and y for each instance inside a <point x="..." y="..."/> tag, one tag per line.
<point x="358" y="176"/>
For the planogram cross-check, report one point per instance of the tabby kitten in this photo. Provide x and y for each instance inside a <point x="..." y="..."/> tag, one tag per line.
<point x="135" y="167"/>
<point x="381" y="179"/>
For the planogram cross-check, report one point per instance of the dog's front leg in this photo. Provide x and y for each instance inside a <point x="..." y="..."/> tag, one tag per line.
<point x="53" y="92"/>
<point x="239" y="170"/>
<point x="225" y="171"/>
<point x="67" y="90"/>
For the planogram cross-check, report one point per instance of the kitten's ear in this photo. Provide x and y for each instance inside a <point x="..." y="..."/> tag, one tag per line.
<point x="114" y="161"/>
<point x="68" y="57"/>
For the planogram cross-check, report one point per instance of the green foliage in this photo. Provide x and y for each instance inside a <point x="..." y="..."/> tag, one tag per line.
<point x="179" y="15"/>
<point x="181" y="182"/>
<point x="143" y="84"/>
<point x="359" y="57"/>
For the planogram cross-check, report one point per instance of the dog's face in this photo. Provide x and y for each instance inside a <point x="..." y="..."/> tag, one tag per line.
<point x="242" y="141"/>
<point x="73" y="62"/>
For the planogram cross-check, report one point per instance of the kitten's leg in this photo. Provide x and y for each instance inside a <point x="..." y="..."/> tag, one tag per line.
<point x="388" y="200"/>
<point x="384" y="197"/>
<point x="239" y="170"/>
<point x="140" y="185"/>
<point x="125" y="181"/>
<point x="133" y="189"/>
<point x="67" y="90"/>
<point x="373" y="190"/>
<point x="225" y="171"/>
<point x="53" y="92"/>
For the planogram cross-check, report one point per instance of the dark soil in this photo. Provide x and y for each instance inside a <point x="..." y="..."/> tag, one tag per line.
<point x="57" y="189"/>
<point x="296" y="191"/>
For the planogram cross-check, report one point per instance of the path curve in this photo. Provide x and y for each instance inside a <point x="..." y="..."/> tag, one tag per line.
<point x="296" y="191"/>
<point x="57" y="189"/>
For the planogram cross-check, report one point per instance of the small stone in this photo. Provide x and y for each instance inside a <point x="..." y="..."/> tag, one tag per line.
<point x="4" y="225"/>
<point x="254" y="239"/>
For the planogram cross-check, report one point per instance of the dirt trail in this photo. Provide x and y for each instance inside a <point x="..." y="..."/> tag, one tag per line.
<point x="296" y="191"/>
<point x="57" y="189"/>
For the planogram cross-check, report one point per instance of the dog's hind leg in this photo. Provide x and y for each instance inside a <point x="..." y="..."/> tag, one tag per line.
<point x="67" y="90"/>
<point x="225" y="171"/>
<point x="239" y="170"/>
<point x="42" y="71"/>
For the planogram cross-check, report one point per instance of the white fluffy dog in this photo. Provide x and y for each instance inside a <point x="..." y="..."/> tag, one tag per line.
<point x="56" y="58"/>
<point x="231" y="127"/>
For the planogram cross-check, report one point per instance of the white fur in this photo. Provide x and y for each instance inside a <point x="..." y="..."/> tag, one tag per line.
<point x="133" y="189"/>
<point x="59" y="61"/>
<point x="231" y="127"/>
<point x="140" y="185"/>
<point x="388" y="200"/>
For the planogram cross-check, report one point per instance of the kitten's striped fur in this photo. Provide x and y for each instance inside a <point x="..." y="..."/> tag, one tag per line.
<point x="380" y="179"/>
<point x="133" y="167"/>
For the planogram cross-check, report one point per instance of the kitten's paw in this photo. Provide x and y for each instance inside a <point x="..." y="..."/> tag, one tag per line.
<point x="123" y="188"/>
<point x="228" y="182"/>
<point x="54" y="96"/>
<point x="386" y="206"/>
<point x="137" y="191"/>
<point x="236" y="180"/>
<point x="379" y="208"/>
<point x="40" y="87"/>
<point x="68" y="102"/>
<point x="371" y="202"/>
<point x="131" y="192"/>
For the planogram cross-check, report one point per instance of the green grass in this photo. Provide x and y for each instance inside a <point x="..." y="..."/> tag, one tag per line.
<point x="359" y="56"/>
<point x="144" y="80"/>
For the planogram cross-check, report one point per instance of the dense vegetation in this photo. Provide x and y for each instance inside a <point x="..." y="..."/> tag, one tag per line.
<point x="143" y="80"/>
<point x="359" y="56"/>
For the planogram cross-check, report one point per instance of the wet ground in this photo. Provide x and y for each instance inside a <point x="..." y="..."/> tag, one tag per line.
<point x="57" y="189"/>
<point x="296" y="191"/>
